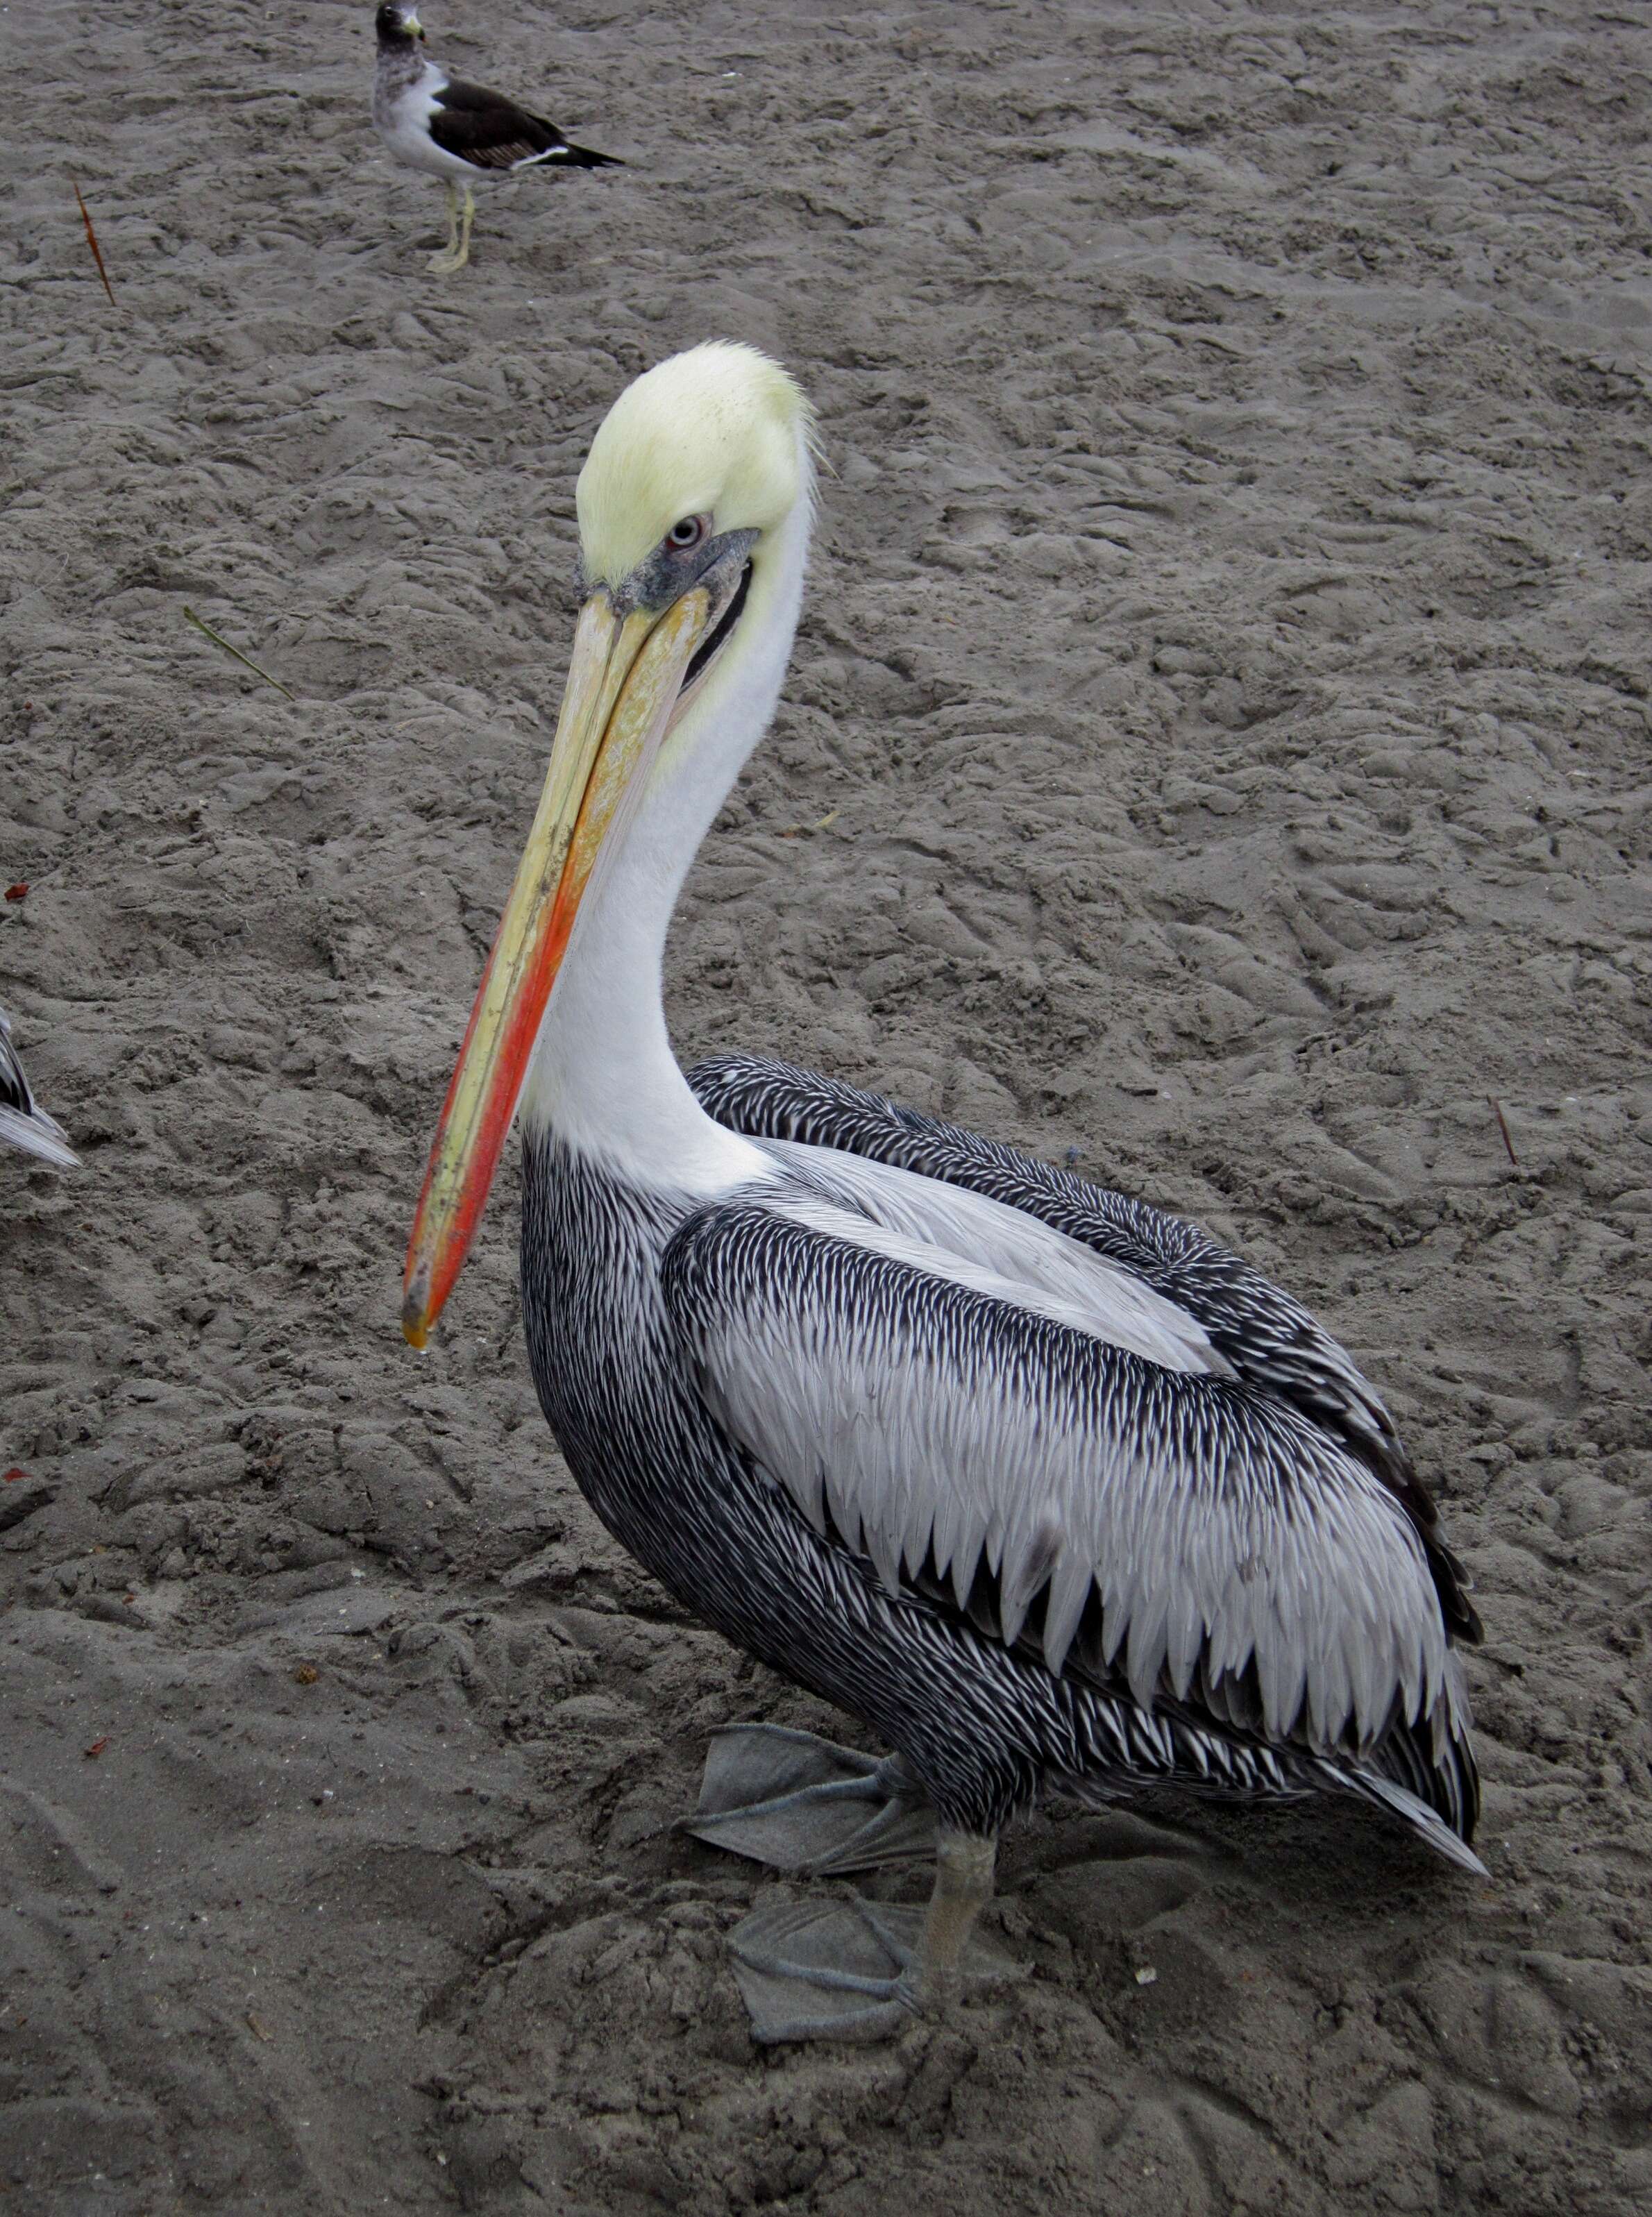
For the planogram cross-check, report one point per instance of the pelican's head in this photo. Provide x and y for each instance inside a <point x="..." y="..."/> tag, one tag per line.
<point x="684" y="503"/>
<point x="711" y="444"/>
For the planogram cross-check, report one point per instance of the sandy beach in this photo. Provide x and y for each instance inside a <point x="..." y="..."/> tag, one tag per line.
<point x="1216" y="754"/>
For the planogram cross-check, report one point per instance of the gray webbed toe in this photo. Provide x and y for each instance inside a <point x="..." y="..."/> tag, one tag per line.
<point x="803" y="1805"/>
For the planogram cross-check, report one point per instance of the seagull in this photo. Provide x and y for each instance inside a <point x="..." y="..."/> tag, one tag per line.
<point x="454" y="130"/>
<point x="23" y="1123"/>
<point x="1051" y="1492"/>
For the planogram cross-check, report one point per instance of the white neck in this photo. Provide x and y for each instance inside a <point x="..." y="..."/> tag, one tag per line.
<point x="603" y="1079"/>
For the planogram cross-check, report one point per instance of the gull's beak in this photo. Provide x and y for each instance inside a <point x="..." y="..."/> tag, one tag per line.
<point x="624" y="684"/>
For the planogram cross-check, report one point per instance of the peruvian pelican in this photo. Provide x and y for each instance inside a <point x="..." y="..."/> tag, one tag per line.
<point x="1044" y="1487"/>
<point x="452" y="130"/>
<point x="23" y="1123"/>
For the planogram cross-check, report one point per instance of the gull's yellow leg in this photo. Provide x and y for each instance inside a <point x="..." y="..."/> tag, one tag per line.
<point x="450" y="258"/>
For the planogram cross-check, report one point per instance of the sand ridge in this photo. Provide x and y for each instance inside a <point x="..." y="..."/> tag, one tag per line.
<point x="1217" y="744"/>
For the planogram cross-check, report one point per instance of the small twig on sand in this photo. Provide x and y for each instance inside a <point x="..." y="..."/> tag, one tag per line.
<point x="190" y="616"/>
<point x="798" y="830"/>
<point x="91" y="241"/>
<point x="1502" y="1125"/>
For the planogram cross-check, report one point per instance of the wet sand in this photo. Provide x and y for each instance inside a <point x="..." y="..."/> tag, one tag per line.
<point x="1218" y="744"/>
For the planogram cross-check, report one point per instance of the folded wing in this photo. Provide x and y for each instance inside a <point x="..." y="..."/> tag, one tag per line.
<point x="1262" y="1333"/>
<point x="1170" y="1525"/>
<point x="483" y="128"/>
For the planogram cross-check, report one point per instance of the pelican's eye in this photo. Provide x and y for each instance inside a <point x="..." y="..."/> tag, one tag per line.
<point x="689" y="533"/>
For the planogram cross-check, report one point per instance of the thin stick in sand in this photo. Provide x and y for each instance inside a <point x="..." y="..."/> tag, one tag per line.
<point x="1502" y="1125"/>
<point x="91" y="241"/>
<point x="217" y="640"/>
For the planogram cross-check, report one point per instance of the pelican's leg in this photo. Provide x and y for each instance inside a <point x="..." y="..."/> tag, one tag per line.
<point x="452" y="256"/>
<point x="799" y="1804"/>
<point x="860" y="1970"/>
<point x="964" y="1887"/>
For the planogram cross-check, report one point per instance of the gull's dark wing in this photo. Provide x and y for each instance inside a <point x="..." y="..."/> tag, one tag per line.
<point x="492" y="133"/>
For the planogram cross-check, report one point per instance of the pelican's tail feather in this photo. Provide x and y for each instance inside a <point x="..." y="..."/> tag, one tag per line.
<point x="37" y="1134"/>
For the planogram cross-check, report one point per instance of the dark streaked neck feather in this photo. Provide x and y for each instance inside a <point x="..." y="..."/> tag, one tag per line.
<point x="400" y="62"/>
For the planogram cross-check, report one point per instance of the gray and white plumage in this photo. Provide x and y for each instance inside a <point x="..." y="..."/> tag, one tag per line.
<point x="1041" y="1484"/>
<point x="23" y="1123"/>
<point x="1262" y="1333"/>
<point x="1030" y="1559"/>
<point x="938" y="1458"/>
<point x="1239" y="1535"/>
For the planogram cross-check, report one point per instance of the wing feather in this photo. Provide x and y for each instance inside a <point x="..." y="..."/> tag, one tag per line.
<point x="1263" y="1335"/>
<point x="492" y="133"/>
<point x="1225" y="1540"/>
<point x="486" y="129"/>
<point x="23" y="1123"/>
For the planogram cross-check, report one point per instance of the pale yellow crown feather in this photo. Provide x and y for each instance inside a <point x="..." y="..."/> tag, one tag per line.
<point x="719" y="431"/>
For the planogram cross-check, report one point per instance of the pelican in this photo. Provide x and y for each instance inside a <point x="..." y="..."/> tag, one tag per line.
<point x="455" y="130"/>
<point x="1051" y="1492"/>
<point x="23" y="1123"/>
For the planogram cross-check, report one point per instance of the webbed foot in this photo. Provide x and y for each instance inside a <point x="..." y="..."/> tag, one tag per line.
<point x="803" y="1805"/>
<point x="860" y="1970"/>
<point x="846" y="1970"/>
<point x="823" y="1970"/>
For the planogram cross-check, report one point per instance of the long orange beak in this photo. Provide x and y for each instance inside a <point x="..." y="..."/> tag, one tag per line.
<point x="623" y="684"/>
